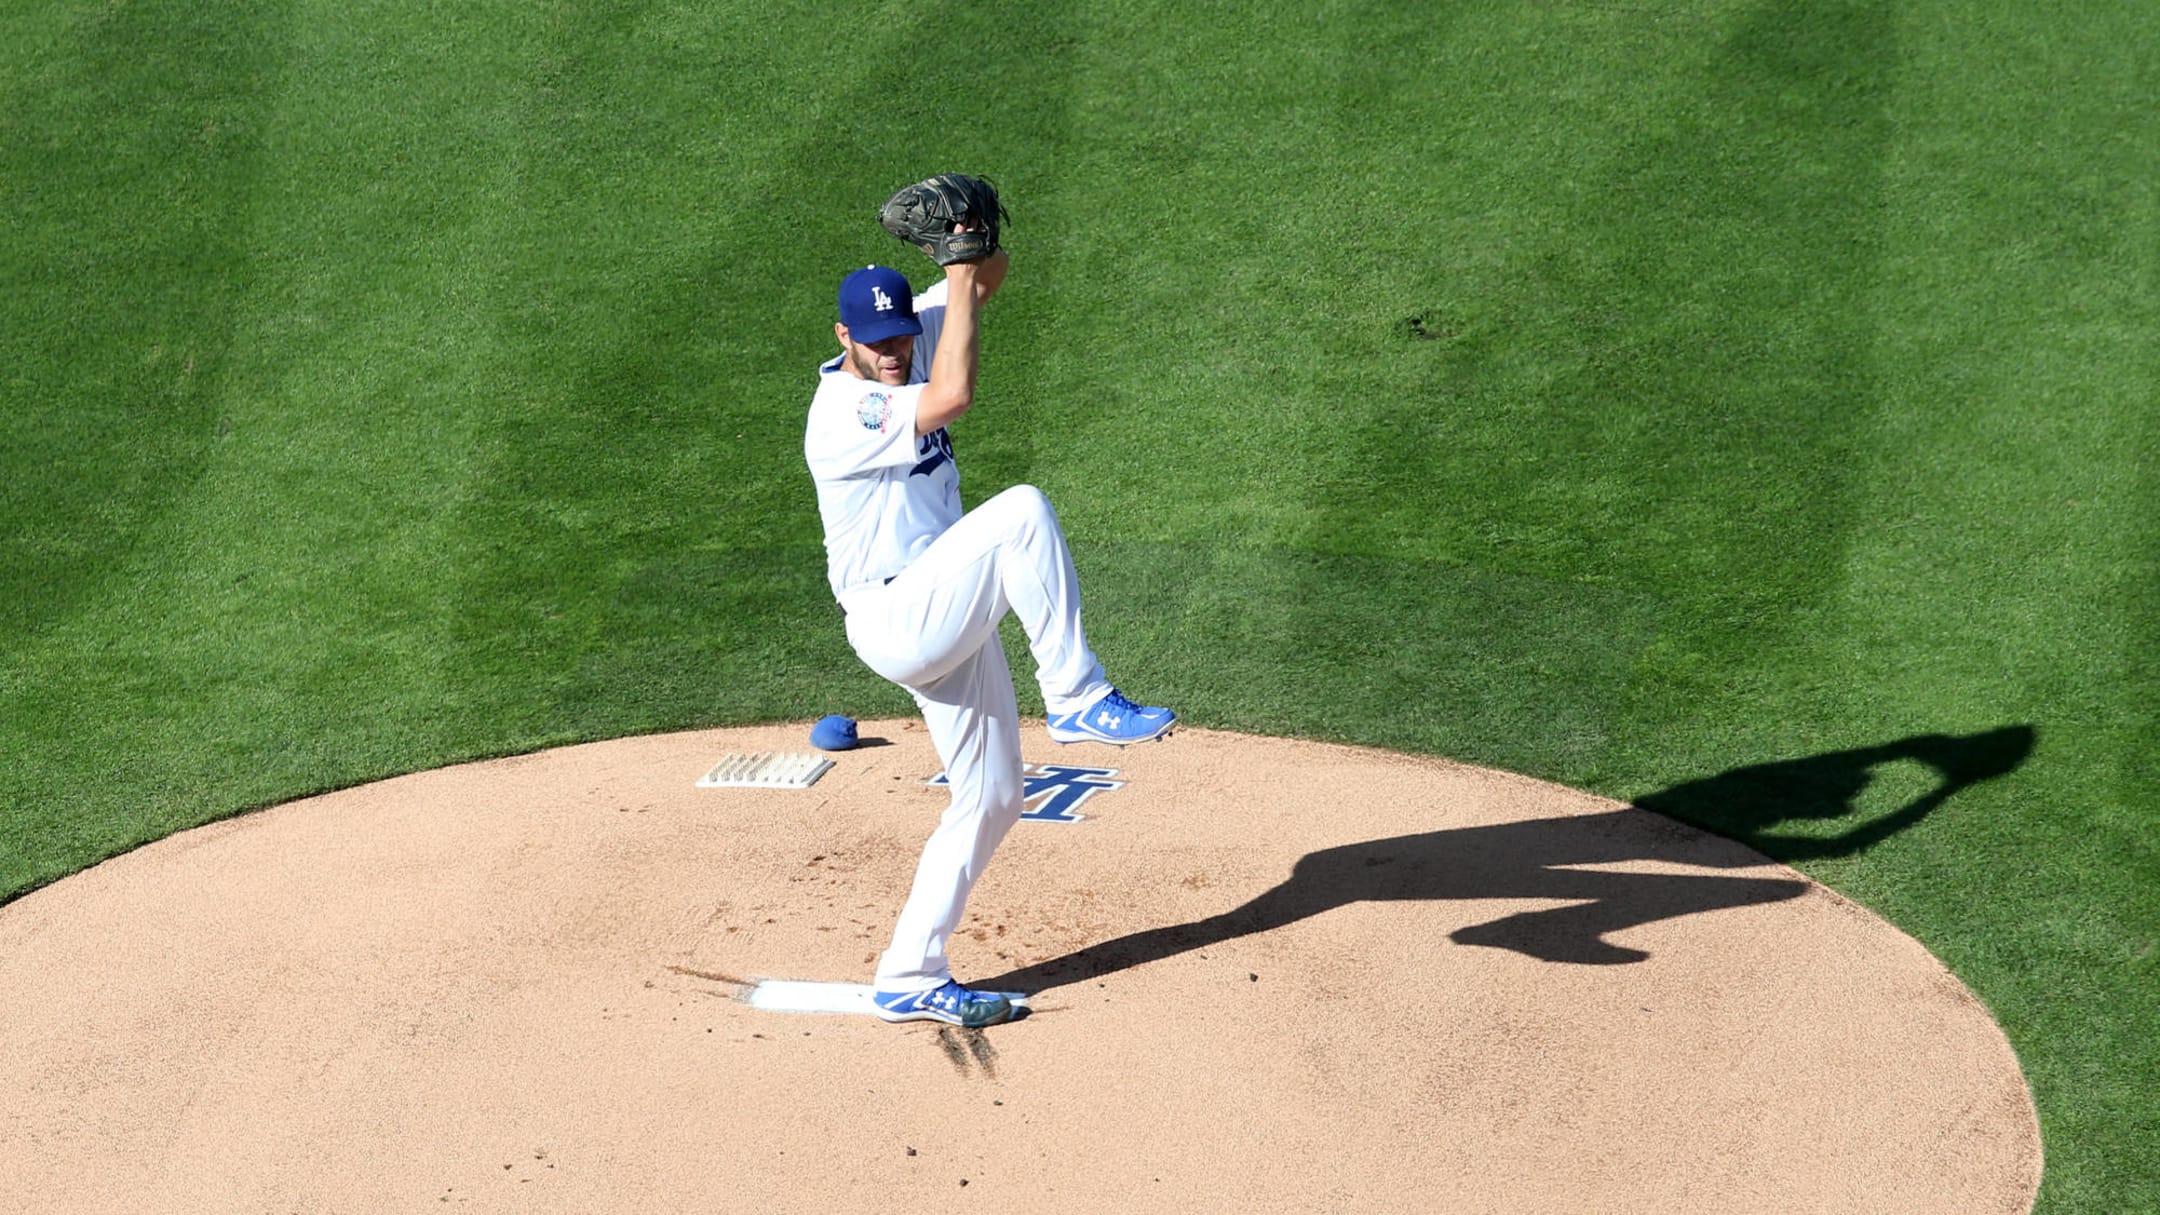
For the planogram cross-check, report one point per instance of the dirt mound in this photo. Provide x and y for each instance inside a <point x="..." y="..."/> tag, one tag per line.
<point x="1269" y="976"/>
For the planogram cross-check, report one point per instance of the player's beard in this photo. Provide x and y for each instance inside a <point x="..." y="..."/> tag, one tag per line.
<point x="867" y="364"/>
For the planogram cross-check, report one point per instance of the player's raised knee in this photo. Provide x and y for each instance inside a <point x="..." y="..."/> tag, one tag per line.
<point x="1025" y="497"/>
<point x="1038" y="502"/>
<point x="1025" y="505"/>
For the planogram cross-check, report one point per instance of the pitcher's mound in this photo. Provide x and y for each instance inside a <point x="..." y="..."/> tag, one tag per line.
<point x="1266" y="976"/>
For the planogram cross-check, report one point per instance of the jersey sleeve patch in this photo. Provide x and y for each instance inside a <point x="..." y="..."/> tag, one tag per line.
<point x="874" y="411"/>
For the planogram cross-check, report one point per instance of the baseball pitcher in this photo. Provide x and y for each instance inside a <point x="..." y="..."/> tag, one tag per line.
<point x="923" y="586"/>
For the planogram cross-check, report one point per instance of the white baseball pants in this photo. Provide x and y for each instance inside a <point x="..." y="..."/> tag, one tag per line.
<point x="934" y="631"/>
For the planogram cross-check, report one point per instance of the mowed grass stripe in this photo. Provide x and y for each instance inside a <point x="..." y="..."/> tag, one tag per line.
<point x="1721" y="382"/>
<point x="280" y="628"/>
<point x="130" y="163"/>
<point x="1672" y="305"/>
<point x="133" y="167"/>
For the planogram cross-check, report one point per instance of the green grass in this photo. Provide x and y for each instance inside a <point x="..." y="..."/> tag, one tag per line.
<point x="1621" y="395"/>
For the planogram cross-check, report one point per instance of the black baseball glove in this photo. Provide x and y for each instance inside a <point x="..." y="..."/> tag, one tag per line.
<point x="923" y="215"/>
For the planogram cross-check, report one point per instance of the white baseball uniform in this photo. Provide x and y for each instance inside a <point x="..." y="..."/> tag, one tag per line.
<point x="924" y="587"/>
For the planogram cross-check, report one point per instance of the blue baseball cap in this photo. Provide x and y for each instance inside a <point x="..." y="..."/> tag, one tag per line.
<point x="876" y="303"/>
<point x="835" y="732"/>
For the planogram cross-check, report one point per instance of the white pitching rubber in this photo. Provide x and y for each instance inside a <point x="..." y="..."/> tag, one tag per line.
<point x="798" y="995"/>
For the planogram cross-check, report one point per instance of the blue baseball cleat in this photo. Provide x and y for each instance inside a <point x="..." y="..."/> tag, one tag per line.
<point x="952" y="1004"/>
<point x="1114" y="720"/>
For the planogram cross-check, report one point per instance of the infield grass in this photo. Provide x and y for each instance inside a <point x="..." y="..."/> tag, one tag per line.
<point x="1619" y="395"/>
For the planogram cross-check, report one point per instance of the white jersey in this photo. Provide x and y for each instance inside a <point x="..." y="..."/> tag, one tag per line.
<point x="883" y="491"/>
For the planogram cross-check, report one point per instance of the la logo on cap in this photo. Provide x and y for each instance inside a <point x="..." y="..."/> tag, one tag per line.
<point x="875" y="304"/>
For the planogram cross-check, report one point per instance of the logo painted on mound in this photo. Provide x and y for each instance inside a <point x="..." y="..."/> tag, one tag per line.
<point x="1053" y="792"/>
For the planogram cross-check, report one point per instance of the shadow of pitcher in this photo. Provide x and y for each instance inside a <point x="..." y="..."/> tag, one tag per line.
<point x="1536" y="859"/>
